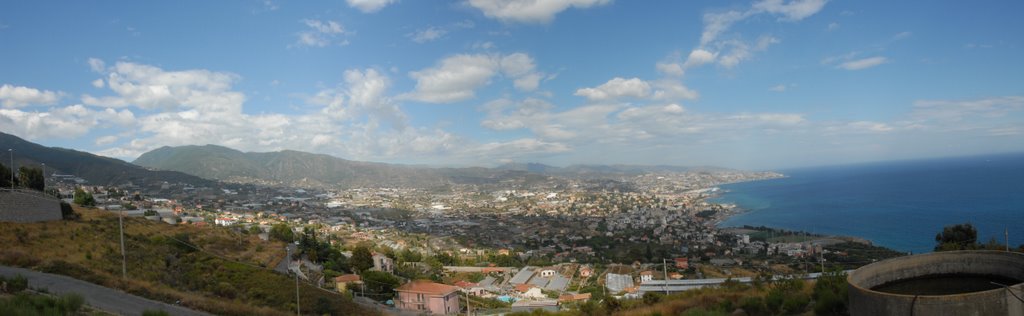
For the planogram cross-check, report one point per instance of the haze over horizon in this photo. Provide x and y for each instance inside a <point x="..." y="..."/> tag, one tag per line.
<point x="764" y="84"/>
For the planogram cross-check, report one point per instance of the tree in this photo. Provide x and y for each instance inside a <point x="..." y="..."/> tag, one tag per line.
<point x="957" y="237"/>
<point x="380" y="285"/>
<point x="84" y="198"/>
<point x="5" y="177"/>
<point x="362" y="259"/>
<point x="282" y="232"/>
<point x="31" y="178"/>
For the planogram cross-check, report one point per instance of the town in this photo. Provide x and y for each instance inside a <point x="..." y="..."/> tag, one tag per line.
<point x="548" y="244"/>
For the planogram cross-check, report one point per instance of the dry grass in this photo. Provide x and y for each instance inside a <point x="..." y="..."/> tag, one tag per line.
<point x="89" y="249"/>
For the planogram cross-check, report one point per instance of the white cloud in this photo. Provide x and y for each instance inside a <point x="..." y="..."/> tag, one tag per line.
<point x="150" y="88"/>
<point x="863" y="63"/>
<point x="670" y="69"/>
<point x="98" y="83"/>
<point x="672" y="90"/>
<point x="616" y="88"/>
<point x="19" y="96"/>
<point x="832" y="26"/>
<point x="740" y="51"/>
<point x="778" y="88"/>
<point x="456" y="78"/>
<point x="699" y="57"/>
<point x="427" y="35"/>
<point x="106" y="140"/>
<point x="731" y="52"/>
<point x="97" y="65"/>
<point x="959" y="110"/>
<point x="530" y="11"/>
<point x="369" y="6"/>
<point x="793" y="10"/>
<point x="66" y="122"/>
<point x="321" y="33"/>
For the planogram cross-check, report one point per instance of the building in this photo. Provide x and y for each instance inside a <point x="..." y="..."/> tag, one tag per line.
<point x="426" y="296"/>
<point x="646" y="276"/>
<point x="225" y="221"/>
<point x="682" y="263"/>
<point x="547" y="272"/>
<point x="586" y="271"/>
<point x="383" y="263"/>
<point x="343" y="282"/>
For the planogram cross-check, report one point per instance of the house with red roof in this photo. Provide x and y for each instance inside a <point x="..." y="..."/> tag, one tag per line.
<point x="427" y="296"/>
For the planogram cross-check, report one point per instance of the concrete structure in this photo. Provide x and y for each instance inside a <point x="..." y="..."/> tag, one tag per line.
<point x="426" y="296"/>
<point x="675" y="286"/>
<point x="26" y="206"/>
<point x="530" y="305"/>
<point x="1001" y="301"/>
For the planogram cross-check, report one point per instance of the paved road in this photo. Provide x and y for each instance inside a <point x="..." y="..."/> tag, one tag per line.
<point x="103" y="298"/>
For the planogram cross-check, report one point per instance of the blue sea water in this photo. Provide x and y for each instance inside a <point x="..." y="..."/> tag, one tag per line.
<point x="900" y="205"/>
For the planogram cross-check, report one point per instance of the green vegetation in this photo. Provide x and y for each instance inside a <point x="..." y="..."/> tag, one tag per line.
<point x="957" y="237"/>
<point x="282" y="232"/>
<point x="31" y="178"/>
<point x="84" y="198"/>
<point x="211" y="269"/>
<point x="24" y="303"/>
<point x="362" y="259"/>
<point x="37" y="304"/>
<point x="965" y="237"/>
<point x="5" y="177"/>
<point x="380" y="285"/>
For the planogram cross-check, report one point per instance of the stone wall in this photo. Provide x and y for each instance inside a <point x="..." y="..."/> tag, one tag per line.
<point x="28" y="206"/>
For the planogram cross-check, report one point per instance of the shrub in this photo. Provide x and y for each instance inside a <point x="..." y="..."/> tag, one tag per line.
<point x="16" y="284"/>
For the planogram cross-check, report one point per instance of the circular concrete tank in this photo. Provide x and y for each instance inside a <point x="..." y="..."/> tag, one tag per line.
<point x="941" y="283"/>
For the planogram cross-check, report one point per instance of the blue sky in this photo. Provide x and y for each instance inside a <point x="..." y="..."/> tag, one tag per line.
<point x="746" y="84"/>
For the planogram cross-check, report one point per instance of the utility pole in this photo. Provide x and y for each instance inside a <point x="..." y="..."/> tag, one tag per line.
<point x="11" y="150"/>
<point x="469" y="307"/>
<point x="821" y="255"/>
<point x="44" y="177"/>
<point x="298" y="309"/>
<point x="124" y="266"/>
<point x="664" y="266"/>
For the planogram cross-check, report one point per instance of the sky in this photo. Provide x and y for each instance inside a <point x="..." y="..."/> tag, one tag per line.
<point x="761" y="84"/>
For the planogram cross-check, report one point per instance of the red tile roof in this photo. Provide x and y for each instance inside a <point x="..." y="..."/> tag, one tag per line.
<point x="423" y="286"/>
<point x="347" y="278"/>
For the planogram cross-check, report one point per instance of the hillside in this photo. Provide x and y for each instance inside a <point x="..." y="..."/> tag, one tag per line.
<point x="301" y="169"/>
<point x="96" y="169"/>
<point x="210" y="269"/>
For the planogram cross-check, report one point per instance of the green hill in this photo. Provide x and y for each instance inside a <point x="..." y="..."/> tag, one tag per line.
<point x="95" y="169"/>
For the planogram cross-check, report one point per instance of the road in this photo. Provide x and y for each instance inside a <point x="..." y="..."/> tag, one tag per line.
<point x="103" y="298"/>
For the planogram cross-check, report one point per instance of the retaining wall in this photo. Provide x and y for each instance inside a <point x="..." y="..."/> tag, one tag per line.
<point x="28" y="206"/>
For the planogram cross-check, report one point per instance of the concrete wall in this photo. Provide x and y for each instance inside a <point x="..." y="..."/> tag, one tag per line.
<point x="28" y="206"/>
<point x="864" y="301"/>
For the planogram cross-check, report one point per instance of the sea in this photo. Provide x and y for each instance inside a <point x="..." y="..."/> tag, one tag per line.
<point x="900" y="205"/>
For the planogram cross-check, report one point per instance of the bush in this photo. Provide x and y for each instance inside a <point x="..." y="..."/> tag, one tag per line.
<point x="35" y="304"/>
<point x="16" y="284"/>
<point x="67" y="212"/>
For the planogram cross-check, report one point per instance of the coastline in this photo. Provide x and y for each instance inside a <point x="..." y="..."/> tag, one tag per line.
<point x="729" y="210"/>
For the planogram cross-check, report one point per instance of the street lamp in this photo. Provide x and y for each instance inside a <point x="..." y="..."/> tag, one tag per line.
<point x="11" y="150"/>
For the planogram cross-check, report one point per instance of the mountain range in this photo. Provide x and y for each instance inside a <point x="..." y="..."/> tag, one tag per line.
<point x="95" y="169"/>
<point x="302" y="169"/>
<point x="201" y="165"/>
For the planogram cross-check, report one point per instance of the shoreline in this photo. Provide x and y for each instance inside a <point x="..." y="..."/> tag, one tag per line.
<point x="729" y="210"/>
